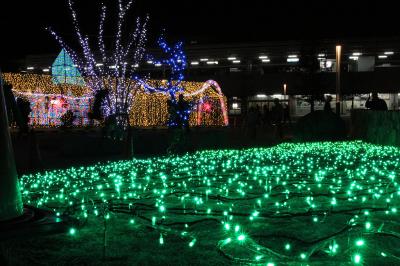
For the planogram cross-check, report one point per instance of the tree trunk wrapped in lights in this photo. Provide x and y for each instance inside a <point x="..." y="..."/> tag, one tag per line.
<point x="10" y="197"/>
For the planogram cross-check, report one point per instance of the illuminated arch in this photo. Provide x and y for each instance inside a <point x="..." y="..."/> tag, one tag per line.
<point x="213" y="85"/>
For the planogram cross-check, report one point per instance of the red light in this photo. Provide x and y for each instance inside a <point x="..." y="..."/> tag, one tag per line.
<point x="207" y="107"/>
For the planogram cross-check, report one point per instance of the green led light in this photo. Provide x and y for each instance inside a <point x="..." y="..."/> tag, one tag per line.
<point x="357" y="258"/>
<point x="72" y="231"/>
<point x="227" y="226"/>
<point x="240" y="190"/>
<point x="191" y="244"/>
<point x="360" y="242"/>
<point x="368" y="225"/>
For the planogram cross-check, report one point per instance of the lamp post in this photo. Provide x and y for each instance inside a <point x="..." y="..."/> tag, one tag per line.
<point x="284" y="90"/>
<point x="338" y="61"/>
<point x="10" y="196"/>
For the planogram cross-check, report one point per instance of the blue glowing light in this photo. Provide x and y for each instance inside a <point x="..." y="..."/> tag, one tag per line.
<point x="64" y="71"/>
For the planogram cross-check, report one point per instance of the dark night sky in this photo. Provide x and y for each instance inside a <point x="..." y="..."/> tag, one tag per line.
<point x="206" y="21"/>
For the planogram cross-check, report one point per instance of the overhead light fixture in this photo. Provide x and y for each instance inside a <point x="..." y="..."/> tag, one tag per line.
<point x="357" y="54"/>
<point x="321" y="55"/>
<point x="261" y="95"/>
<point x="232" y="58"/>
<point x="45" y="70"/>
<point x="236" y="61"/>
<point x="99" y="64"/>
<point x="292" y="59"/>
<point x="135" y="65"/>
<point x="194" y="63"/>
<point x="353" y="57"/>
<point x="263" y="57"/>
<point x="389" y="53"/>
<point x="382" y="56"/>
<point x="203" y="59"/>
<point x="113" y="67"/>
<point x="30" y="68"/>
<point x="292" y="56"/>
<point x="158" y="64"/>
<point x="265" y="60"/>
<point x="212" y="62"/>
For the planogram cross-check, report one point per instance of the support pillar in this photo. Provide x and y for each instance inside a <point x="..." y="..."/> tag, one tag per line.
<point x="10" y="196"/>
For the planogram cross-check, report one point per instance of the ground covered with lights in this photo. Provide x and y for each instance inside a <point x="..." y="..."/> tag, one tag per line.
<point x="292" y="204"/>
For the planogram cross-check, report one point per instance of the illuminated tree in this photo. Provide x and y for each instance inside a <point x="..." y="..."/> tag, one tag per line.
<point x="175" y="61"/>
<point x="109" y="70"/>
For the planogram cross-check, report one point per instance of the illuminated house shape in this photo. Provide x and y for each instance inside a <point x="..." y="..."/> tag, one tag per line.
<point x="64" y="72"/>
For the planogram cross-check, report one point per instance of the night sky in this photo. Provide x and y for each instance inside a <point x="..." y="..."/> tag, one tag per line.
<point x="204" y="21"/>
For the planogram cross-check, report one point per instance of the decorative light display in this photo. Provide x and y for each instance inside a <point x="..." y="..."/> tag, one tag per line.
<point x="289" y="204"/>
<point x="111" y="70"/>
<point x="176" y="62"/>
<point x="63" y="70"/>
<point x="148" y="109"/>
<point x="43" y="84"/>
<point x="47" y="109"/>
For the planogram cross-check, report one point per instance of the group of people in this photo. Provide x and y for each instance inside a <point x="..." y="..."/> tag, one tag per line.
<point x="373" y="103"/>
<point x="275" y="117"/>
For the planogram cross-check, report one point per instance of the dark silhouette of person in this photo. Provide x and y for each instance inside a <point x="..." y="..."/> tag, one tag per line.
<point x="277" y="112"/>
<point x="327" y="106"/>
<point x="251" y="122"/>
<point x="266" y="116"/>
<point x="376" y="103"/>
<point x="286" y="113"/>
<point x="277" y="116"/>
<point x="24" y="107"/>
<point x="179" y="116"/>
<point x="172" y="114"/>
<point x="183" y="109"/>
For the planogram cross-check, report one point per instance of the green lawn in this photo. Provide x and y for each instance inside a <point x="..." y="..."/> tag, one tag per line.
<point x="292" y="204"/>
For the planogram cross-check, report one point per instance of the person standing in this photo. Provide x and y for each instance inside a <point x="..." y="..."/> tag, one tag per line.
<point x="327" y="106"/>
<point x="277" y="117"/>
<point x="376" y="103"/>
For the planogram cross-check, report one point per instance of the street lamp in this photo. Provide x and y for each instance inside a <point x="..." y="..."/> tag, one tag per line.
<point x="338" y="61"/>
<point x="284" y="89"/>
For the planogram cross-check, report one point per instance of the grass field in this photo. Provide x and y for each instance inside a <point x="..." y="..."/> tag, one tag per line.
<point x="292" y="204"/>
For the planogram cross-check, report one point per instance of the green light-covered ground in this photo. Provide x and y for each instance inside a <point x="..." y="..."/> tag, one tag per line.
<point x="309" y="203"/>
